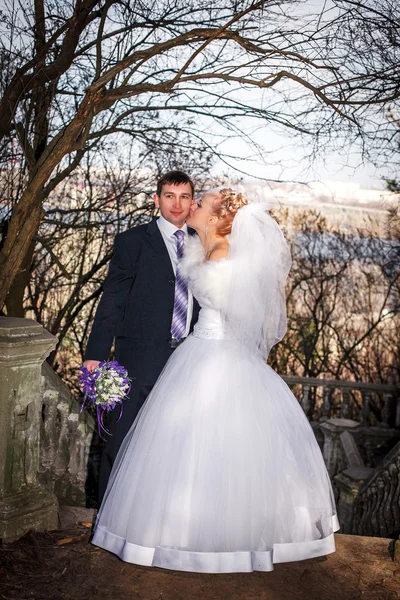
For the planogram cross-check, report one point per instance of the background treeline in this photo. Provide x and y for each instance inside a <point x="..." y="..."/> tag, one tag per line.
<point x="342" y="294"/>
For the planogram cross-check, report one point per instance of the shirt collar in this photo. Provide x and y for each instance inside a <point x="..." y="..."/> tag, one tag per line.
<point x="168" y="228"/>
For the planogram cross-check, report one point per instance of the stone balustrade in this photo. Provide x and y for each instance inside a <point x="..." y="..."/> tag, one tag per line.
<point x="70" y="449"/>
<point x="357" y="425"/>
<point x="368" y="403"/>
<point x="376" y="510"/>
<point x="369" y="499"/>
<point x="24" y="503"/>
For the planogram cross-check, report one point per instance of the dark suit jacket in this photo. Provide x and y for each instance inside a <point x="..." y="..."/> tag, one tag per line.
<point x="137" y="304"/>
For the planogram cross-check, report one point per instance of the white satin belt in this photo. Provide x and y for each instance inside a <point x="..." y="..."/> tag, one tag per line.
<point x="210" y="325"/>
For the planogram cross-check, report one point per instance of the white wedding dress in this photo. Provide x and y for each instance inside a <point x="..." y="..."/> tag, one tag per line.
<point x="221" y="471"/>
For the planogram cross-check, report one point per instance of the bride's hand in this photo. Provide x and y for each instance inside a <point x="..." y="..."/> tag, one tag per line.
<point x="91" y="364"/>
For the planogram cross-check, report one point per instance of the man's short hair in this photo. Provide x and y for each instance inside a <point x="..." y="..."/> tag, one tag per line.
<point x="174" y="178"/>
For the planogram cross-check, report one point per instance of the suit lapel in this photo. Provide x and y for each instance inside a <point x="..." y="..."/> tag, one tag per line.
<point x="156" y="241"/>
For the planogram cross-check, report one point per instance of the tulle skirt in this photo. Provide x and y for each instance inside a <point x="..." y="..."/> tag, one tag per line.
<point x="220" y="472"/>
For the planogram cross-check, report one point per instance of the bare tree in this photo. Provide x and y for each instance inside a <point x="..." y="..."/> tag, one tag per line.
<point x="65" y="65"/>
<point x="343" y="301"/>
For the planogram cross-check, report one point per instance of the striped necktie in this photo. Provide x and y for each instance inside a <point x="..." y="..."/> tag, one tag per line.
<point x="179" y="316"/>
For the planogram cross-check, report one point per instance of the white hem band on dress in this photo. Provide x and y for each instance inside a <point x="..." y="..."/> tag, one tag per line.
<point x="214" y="562"/>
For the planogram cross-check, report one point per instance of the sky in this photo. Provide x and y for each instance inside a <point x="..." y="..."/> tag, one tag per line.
<point x="285" y="159"/>
<point x="291" y="164"/>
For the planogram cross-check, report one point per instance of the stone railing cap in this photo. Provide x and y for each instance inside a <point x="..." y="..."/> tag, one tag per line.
<point x="341" y="422"/>
<point x="341" y="384"/>
<point x="16" y="327"/>
<point x="23" y="341"/>
<point x="359" y="473"/>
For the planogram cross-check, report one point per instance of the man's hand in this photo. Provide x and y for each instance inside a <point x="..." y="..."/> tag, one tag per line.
<point x="91" y="364"/>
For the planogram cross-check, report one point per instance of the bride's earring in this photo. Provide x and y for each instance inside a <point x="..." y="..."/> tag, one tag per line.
<point x="206" y="229"/>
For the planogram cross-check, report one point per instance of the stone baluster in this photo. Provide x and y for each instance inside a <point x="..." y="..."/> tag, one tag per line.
<point x="72" y="425"/>
<point x="397" y="417"/>
<point x="305" y="400"/>
<point x="376" y="516"/>
<point x="362" y="518"/>
<point x="63" y="444"/>
<point x="49" y="432"/>
<point x="345" y="404"/>
<point x="77" y="459"/>
<point x="24" y="503"/>
<point x="366" y="407"/>
<point x="371" y="523"/>
<point x="386" y="521"/>
<point x="386" y="410"/>
<point x="325" y="409"/>
<point x="372" y="504"/>
<point x="83" y="455"/>
<point x="395" y="475"/>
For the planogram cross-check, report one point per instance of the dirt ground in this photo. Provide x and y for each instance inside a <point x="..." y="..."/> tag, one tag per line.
<point x="64" y="565"/>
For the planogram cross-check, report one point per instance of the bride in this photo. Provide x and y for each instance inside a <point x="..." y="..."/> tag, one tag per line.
<point x="221" y="471"/>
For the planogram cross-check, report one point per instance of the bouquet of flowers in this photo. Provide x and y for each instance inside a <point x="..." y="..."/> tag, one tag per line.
<point x="104" y="388"/>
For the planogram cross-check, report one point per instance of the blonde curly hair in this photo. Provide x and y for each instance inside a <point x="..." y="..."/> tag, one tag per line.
<point x="225" y="207"/>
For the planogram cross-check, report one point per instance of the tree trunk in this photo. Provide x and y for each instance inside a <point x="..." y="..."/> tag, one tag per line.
<point x="27" y="214"/>
<point x="15" y="297"/>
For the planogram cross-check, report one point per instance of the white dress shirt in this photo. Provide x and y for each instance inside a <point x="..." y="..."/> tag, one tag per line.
<point x="167" y="230"/>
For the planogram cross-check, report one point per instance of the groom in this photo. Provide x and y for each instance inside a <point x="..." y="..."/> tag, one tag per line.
<point x="145" y="306"/>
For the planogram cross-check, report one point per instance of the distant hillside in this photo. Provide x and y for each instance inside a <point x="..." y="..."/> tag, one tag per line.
<point x="345" y="205"/>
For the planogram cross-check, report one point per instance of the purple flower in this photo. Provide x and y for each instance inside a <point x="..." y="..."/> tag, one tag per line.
<point x="104" y="387"/>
